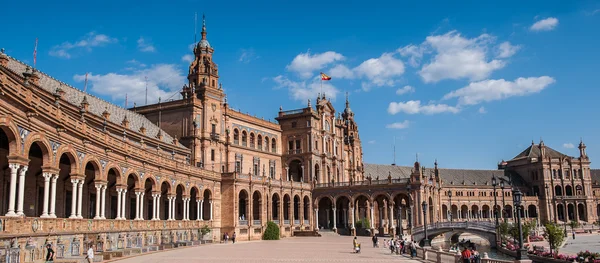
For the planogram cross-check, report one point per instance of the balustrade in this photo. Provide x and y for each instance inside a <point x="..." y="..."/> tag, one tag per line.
<point x="243" y="222"/>
<point x="440" y="256"/>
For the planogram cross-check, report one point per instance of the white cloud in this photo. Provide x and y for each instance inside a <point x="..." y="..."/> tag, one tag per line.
<point x="187" y="58"/>
<point x="398" y="125"/>
<point x="375" y="72"/>
<point x="302" y="91"/>
<point x="89" y="41"/>
<point x="145" y="46"/>
<point x="491" y="89"/>
<point x="372" y="142"/>
<point x="305" y="64"/>
<point x="163" y="81"/>
<point x="404" y="90"/>
<point x="506" y="50"/>
<point x="415" y="54"/>
<point x="415" y="107"/>
<point x="248" y="55"/>
<point x="568" y="145"/>
<point x="380" y="71"/>
<point x="458" y="57"/>
<point x="482" y="110"/>
<point x="545" y="24"/>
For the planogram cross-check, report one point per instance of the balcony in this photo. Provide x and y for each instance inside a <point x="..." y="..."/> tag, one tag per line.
<point x="294" y="151"/>
<point x="256" y="222"/>
<point x="306" y="222"/>
<point x="296" y="222"/>
<point x="243" y="222"/>
<point x="286" y="222"/>
<point x="214" y="136"/>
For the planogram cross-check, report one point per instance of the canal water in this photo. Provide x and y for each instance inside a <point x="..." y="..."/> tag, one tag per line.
<point x="482" y="245"/>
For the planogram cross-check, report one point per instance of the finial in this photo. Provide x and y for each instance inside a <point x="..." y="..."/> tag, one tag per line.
<point x="280" y="108"/>
<point x="532" y="143"/>
<point x="309" y="103"/>
<point x="417" y="156"/>
<point x="2" y="50"/>
<point x="203" y="21"/>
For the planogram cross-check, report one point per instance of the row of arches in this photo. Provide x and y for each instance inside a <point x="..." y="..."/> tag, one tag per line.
<point x="574" y="212"/>
<point x="75" y="186"/>
<point x="254" y="141"/>
<point x="484" y="212"/>
<point x="558" y="190"/>
<point x="250" y="208"/>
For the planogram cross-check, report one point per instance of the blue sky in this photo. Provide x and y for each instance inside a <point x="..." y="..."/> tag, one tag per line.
<point x="468" y="83"/>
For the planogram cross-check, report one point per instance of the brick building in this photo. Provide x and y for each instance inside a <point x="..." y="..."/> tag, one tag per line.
<point x="80" y="170"/>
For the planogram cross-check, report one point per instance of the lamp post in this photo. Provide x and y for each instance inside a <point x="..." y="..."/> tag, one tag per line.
<point x="494" y="184"/>
<point x="548" y="199"/>
<point x="400" y="221"/>
<point x="565" y="214"/>
<point x="408" y="211"/>
<point x="503" y="202"/>
<point x="426" y="242"/>
<point x="450" y="205"/>
<point x="521" y="252"/>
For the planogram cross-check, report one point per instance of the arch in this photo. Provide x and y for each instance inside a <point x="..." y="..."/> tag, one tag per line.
<point x="112" y="179"/>
<point x="133" y="183"/>
<point x="508" y="211"/>
<point x="286" y="208"/>
<point x="318" y="199"/>
<point x="259" y="141"/>
<point x="244" y="138"/>
<point x="560" y="210"/>
<point x="273" y="145"/>
<point x="252" y="140"/>
<point x="89" y="158"/>
<point x="306" y="208"/>
<point x="42" y="142"/>
<point x="568" y="190"/>
<point x="207" y="193"/>
<point x="325" y="213"/>
<point x="11" y="132"/>
<point x="445" y="212"/>
<point x="464" y="211"/>
<point x="206" y="204"/>
<point x="266" y="144"/>
<point x="165" y="191"/>
<point x="558" y="190"/>
<point x="474" y="211"/>
<point x="243" y="205"/>
<point x="571" y="212"/>
<point x="146" y="199"/>
<point x="532" y="211"/>
<point x="193" y="203"/>
<point x="581" y="212"/>
<point x="91" y="195"/>
<point x="362" y="204"/>
<point x="296" y="209"/>
<point x="236" y="136"/>
<point x="431" y="211"/>
<point x="256" y="206"/>
<point x="275" y="202"/>
<point x="454" y="213"/>
<point x="180" y="193"/>
<point x="295" y="171"/>
<point x="34" y="186"/>
<point x="71" y="154"/>
<point x="117" y="170"/>
<point x="317" y="173"/>
<point x="485" y="209"/>
<point x="136" y="180"/>
<point x="342" y="205"/>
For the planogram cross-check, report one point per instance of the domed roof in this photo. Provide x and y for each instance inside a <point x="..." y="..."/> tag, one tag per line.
<point x="203" y="43"/>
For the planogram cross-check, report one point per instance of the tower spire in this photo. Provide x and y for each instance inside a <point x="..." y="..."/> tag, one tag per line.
<point x="203" y="27"/>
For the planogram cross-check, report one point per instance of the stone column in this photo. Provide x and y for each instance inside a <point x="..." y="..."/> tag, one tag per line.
<point x="345" y="217"/>
<point x="153" y="207"/>
<point x="316" y="219"/>
<point x="142" y="201"/>
<point x="211" y="210"/>
<point x="46" y="194"/>
<point x="53" y="196"/>
<point x="198" y="211"/>
<point x="74" y="183"/>
<point x="13" y="189"/>
<point x="173" y="199"/>
<point x="119" y="203"/>
<point x="334" y="219"/>
<point x="186" y="209"/>
<point x="137" y="206"/>
<point x="79" y="198"/>
<point x="352" y="217"/>
<point x="123" y="205"/>
<point x="97" y="215"/>
<point x="21" y="196"/>
<point x="170" y="214"/>
<point x="103" y="202"/>
<point x="391" y="224"/>
<point x="201" y="210"/>
<point x="372" y="212"/>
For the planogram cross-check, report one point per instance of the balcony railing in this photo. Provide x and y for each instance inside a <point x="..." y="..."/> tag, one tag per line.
<point x="256" y="222"/>
<point x="360" y="183"/>
<point x="276" y="221"/>
<point x="286" y="222"/>
<point x="296" y="222"/>
<point x="306" y="221"/>
<point x="214" y="136"/>
<point x="243" y="222"/>
<point x="294" y="151"/>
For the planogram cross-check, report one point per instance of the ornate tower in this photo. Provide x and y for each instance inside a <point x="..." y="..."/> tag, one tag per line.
<point x="353" y="150"/>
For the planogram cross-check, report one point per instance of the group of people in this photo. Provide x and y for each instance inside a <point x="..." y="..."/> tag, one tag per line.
<point x="226" y="238"/>
<point x="470" y="255"/>
<point x="89" y="256"/>
<point x="401" y="246"/>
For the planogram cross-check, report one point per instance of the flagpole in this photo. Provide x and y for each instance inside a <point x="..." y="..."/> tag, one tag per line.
<point x="85" y="85"/>
<point x="35" y="53"/>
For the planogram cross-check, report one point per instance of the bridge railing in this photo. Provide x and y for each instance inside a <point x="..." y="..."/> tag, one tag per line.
<point x="440" y="256"/>
<point x="481" y="225"/>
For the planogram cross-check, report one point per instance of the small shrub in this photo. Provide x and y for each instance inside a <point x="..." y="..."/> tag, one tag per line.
<point x="271" y="232"/>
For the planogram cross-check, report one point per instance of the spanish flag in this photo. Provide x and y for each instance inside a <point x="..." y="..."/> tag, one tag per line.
<point x="325" y="77"/>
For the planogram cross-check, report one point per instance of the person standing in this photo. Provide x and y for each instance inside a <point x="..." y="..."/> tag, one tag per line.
<point x="90" y="254"/>
<point x="233" y="238"/>
<point x="50" y="254"/>
<point x="374" y="239"/>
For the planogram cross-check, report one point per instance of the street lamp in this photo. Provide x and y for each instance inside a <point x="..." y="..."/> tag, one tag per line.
<point x="400" y="221"/>
<point x="548" y="199"/>
<point x="450" y="208"/>
<point x="503" y="202"/>
<point x="409" y="210"/>
<point x="426" y="242"/>
<point x="521" y="252"/>
<point x="494" y="184"/>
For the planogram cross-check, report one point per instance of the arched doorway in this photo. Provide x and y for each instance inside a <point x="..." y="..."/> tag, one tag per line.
<point x="380" y="220"/>
<point x="132" y="182"/>
<point x="306" y="209"/>
<point x="342" y="205"/>
<point x="163" y="210"/>
<point x="194" y="199"/>
<point x="146" y="199"/>
<point x="560" y="209"/>
<point x="486" y="211"/>
<point x="296" y="210"/>
<point x="207" y="205"/>
<point x="243" y="207"/>
<point x="571" y="211"/>
<point x="362" y="208"/>
<point x="454" y="213"/>
<point x="34" y="182"/>
<point x="558" y="190"/>
<point x="91" y="201"/>
<point x="445" y="213"/>
<point x="475" y="212"/>
<point x="325" y="215"/>
<point x="4" y="172"/>
<point x="464" y="212"/>
<point x="295" y="170"/>
<point x="286" y="209"/>
<point x="569" y="190"/>
<point x="256" y="208"/>
<point x="111" y="194"/>
<point x="275" y="208"/>
<point x="318" y="174"/>
<point x="532" y="211"/>
<point x="179" y="190"/>
<point x="581" y="212"/>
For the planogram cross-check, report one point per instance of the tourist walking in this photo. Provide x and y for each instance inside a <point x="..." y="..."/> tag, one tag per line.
<point x="90" y="254"/>
<point x="374" y="241"/>
<point x="466" y="256"/>
<point x="233" y="238"/>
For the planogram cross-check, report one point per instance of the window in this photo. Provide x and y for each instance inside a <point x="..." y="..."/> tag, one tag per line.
<point x="251" y="140"/>
<point x="212" y="155"/>
<point x="213" y="128"/>
<point x="255" y="170"/>
<point x="294" y="124"/>
<point x="307" y="123"/>
<point x="272" y="172"/>
<point x="273" y="145"/>
<point x="298" y="144"/>
<point x="327" y="126"/>
<point x="238" y="166"/>
<point x="290" y="145"/>
<point x="260" y="142"/>
<point x="236" y="136"/>
<point x="244" y="138"/>
<point x="266" y="143"/>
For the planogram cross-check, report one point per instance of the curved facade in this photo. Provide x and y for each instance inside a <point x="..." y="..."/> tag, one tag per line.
<point x="80" y="170"/>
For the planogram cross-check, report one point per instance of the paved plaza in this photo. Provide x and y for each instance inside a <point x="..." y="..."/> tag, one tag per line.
<point x="329" y="248"/>
<point x="582" y="242"/>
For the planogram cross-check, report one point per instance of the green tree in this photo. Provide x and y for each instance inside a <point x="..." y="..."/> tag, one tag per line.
<point x="555" y="235"/>
<point x="204" y="231"/>
<point x="271" y="232"/>
<point x="504" y="229"/>
<point x="526" y="228"/>
<point x="573" y="224"/>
